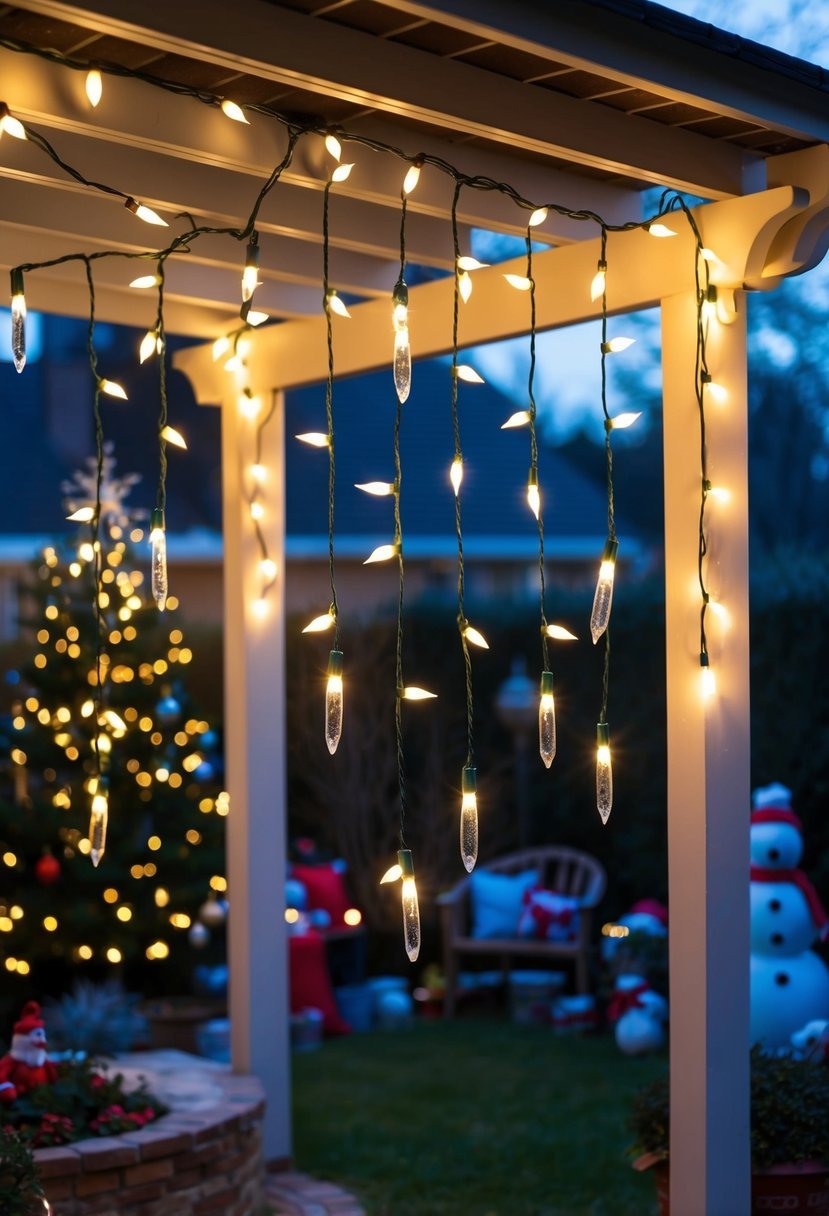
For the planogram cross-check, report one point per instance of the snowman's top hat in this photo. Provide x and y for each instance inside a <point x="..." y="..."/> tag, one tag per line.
<point x="773" y="804"/>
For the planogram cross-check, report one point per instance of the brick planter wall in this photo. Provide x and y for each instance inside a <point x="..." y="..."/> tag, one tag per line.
<point x="200" y="1163"/>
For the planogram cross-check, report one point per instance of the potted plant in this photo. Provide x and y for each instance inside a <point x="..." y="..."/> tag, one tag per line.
<point x="20" y="1191"/>
<point x="789" y="1135"/>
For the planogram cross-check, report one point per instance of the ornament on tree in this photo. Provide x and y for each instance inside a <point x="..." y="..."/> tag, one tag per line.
<point x="213" y="912"/>
<point x="789" y="982"/>
<point x="198" y="935"/>
<point x="47" y="869"/>
<point x="26" y="1066"/>
<point x="168" y="710"/>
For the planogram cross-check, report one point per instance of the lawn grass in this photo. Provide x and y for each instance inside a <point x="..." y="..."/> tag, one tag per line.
<point x="473" y="1118"/>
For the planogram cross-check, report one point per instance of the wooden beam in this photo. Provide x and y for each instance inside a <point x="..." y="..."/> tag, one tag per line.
<point x="642" y="270"/>
<point x="305" y="53"/>
<point x="51" y="96"/>
<point x="708" y="775"/>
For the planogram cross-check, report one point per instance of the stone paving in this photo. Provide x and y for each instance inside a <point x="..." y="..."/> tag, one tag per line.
<point x="296" y="1194"/>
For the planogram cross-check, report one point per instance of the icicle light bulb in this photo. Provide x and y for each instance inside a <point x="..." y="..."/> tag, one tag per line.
<point x="250" y="273"/>
<point x="708" y="682"/>
<point x="456" y="474"/>
<point x="412" y="177"/>
<point x="604" y="772"/>
<point x="603" y="597"/>
<point x="599" y="283"/>
<point x="94" y="86"/>
<point x="158" y="561"/>
<point x="521" y="418"/>
<point x="320" y="623"/>
<point x="232" y="110"/>
<point x="469" y="819"/>
<point x="18" y="308"/>
<point x="10" y="125"/>
<point x="533" y="494"/>
<point x="547" y="720"/>
<point x="99" y="813"/>
<point x="334" y="701"/>
<point x="402" y="366"/>
<point x="145" y="213"/>
<point x="411" y="911"/>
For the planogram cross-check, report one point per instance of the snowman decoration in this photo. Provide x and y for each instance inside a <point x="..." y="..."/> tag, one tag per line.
<point x="789" y="982"/>
<point x="640" y="1015"/>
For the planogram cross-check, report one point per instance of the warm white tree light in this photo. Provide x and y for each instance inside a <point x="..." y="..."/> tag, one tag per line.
<point x="234" y="111"/>
<point x="547" y="720"/>
<point x="604" y="772"/>
<point x="469" y="818"/>
<point x="334" y="701"/>
<point x="145" y="213"/>
<point x="603" y="596"/>
<point x="94" y="86"/>
<point x="158" y="561"/>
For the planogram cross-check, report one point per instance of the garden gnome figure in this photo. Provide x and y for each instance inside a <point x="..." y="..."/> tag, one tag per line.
<point x="26" y="1066"/>
<point x="789" y="982"/>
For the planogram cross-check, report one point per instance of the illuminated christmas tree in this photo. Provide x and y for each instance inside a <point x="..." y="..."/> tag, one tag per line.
<point x="157" y="893"/>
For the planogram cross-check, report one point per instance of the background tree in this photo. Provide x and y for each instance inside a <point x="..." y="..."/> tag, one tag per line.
<point x="139" y="910"/>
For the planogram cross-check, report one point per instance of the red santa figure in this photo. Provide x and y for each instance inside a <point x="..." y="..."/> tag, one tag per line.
<point x="26" y="1066"/>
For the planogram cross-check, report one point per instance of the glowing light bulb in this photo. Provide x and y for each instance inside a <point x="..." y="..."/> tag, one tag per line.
<point x="257" y="511"/>
<point x="94" y="86"/>
<point x="342" y="172"/>
<point x="456" y="474"/>
<point x="220" y="347"/>
<point x="380" y="489"/>
<point x="411" y="911"/>
<point x="334" y="701"/>
<point x="474" y="636"/>
<point x="622" y="421"/>
<point x="149" y="345"/>
<point x="145" y="213"/>
<point x="267" y="568"/>
<point x="382" y="553"/>
<point x="10" y="125"/>
<point x="559" y="633"/>
<point x="234" y="111"/>
<point x="720" y="612"/>
<point x="464" y="286"/>
<point x="599" y="282"/>
<point x="170" y="435"/>
<point x="538" y="217"/>
<point x="393" y="874"/>
<point x="402" y="364"/>
<point x="521" y="418"/>
<point x="315" y="439"/>
<point x="144" y="281"/>
<point x="660" y="230"/>
<point x="255" y="317"/>
<point x="333" y="146"/>
<point x="519" y="281"/>
<point x="250" y="273"/>
<point x="603" y="597"/>
<point x="708" y="681"/>
<point x="98" y="815"/>
<point x="547" y="720"/>
<point x="112" y="389"/>
<point x="616" y="344"/>
<point x="412" y="177"/>
<point x="260" y="607"/>
<point x="259" y="473"/>
<point x="83" y="515"/>
<point x="533" y="494"/>
<point x="336" y="305"/>
<point x="604" y="772"/>
<point x="708" y="255"/>
<point x="320" y="623"/>
<point x="717" y="392"/>
<point x="18" y="308"/>
<point x="158" y="561"/>
<point x="470" y="263"/>
<point x="412" y="693"/>
<point x="718" y="493"/>
<point x="249" y="406"/>
<point x="469" y="819"/>
<point x="464" y="372"/>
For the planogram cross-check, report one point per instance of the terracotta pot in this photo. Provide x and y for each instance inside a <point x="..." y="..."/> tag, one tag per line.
<point x="801" y="1187"/>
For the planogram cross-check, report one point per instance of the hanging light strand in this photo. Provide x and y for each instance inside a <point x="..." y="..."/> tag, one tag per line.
<point x="329" y="408"/>
<point x="158" y="537"/>
<point x="267" y="566"/>
<point x="542" y="589"/>
<point x="604" y="587"/>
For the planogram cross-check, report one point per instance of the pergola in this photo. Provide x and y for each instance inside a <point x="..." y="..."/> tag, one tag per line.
<point x="586" y="103"/>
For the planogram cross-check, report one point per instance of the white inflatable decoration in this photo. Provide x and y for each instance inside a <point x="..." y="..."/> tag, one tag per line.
<point x="789" y="983"/>
<point x="640" y="1016"/>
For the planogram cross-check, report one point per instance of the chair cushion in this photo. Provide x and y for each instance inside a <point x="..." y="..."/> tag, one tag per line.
<point x="549" y="916"/>
<point x="497" y="900"/>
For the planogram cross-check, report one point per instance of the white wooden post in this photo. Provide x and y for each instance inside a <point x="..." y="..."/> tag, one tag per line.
<point x="254" y="658"/>
<point x="708" y="776"/>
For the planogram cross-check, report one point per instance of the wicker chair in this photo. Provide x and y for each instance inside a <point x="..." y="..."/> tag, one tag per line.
<point x="568" y="871"/>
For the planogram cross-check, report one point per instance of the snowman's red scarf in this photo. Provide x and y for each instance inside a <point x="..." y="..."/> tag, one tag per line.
<point x="760" y="874"/>
<point x="624" y="999"/>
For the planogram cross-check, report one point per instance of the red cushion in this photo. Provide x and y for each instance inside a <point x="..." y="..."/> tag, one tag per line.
<point x="310" y="982"/>
<point x="326" y="890"/>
